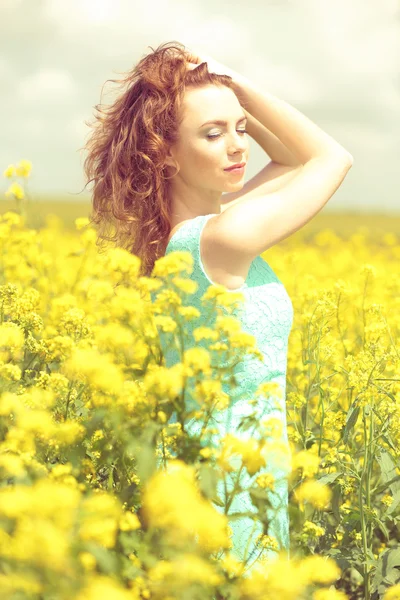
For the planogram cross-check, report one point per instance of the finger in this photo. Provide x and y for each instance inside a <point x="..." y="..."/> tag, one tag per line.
<point x="194" y="57"/>
<point x="190" y="66"/>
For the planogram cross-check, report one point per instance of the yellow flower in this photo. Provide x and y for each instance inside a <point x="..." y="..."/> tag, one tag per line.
<point x="10" y="171"/>
<point x="87" y="560"/>
<point x="13" y="584"/>
<point x="298" y="400"/>
<point x="392" y="593"/>
<point x="253" y="459"/>
<point x="129" y="522"/>
<point x="44" y="514"/>
<point x="101" y="514"/>
<point x="172" y="501"/>
<point x="81" y="222"/>
<point x="162" y="417"/>
<point x="368" y="269"/>
<point x="15" y="189"/>
<point x="317" y="494"/>
<point x="266" y="481"/>
<point x="268" y="542"/>
<point x="11" y="218"/>
<point x="329" y="595"/>
<point x="197" y="360"/>
<point x="249" y="451"/>
<point x="232" y="565"/>
<point x="68" y="432"/>
<point x="101" y="587"/>
<point x="307" y="462"/>
<point x="311" y="529"/>
<point x="273" y="427"/>
<point x="10" y="372"/>
<point x="356" y="535"/>
<point x="12" y="464"/>
<point x="97" y="369"/>
<point x="184" y="570"/>
<point x="24" y="168"/>
<point x="188" y="286"/>
<point x="206" y="452"/>
<point x="270" y="388"/>
<point x="317" y="569"/>
<point x="12" y="340"/>
<point x="387" y="499"/>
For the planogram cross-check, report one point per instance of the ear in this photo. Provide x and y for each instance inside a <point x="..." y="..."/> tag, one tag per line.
<point x="170" y="161"/>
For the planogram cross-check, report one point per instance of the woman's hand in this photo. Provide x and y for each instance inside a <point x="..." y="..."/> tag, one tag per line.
<point x="240" y="83"/>
<point x="195" y="59"/>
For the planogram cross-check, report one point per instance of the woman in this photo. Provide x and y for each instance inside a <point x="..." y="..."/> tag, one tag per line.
<point x="165" y="153"/>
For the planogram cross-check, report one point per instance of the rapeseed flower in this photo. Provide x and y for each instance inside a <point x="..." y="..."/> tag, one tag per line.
<point x="392" y="593"/>
<point x="317" y="494"/>
<point x="172" y="501"/>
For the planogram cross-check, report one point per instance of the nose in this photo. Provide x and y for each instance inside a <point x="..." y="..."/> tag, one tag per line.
<point x="238" y="143"/>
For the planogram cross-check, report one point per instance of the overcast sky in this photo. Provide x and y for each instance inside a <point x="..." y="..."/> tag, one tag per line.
<point x="337" y="62"/>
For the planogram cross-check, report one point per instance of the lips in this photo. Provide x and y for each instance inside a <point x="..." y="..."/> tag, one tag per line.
<point x="236" y="166"/>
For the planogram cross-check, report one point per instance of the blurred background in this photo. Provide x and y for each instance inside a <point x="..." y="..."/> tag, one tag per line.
<point x="337" y="62"/>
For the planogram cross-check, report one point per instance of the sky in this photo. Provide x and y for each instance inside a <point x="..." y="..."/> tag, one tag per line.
<point x="337" y="62"/>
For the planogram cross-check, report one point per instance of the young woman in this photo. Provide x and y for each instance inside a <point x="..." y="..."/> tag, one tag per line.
<point x="168" y="161"/>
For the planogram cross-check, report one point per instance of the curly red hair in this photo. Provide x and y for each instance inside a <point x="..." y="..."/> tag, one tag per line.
<point x="128" y="146"/>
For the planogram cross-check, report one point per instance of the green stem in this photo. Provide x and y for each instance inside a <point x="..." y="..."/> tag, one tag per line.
<point x="364" y="533"/>
<point x="369" y="472"/>
<point x="339" y="327"/>
<point x="232" y="494"/>
<point x="363" y="307"/>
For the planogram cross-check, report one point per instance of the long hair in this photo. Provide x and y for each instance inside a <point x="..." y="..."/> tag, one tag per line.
<point x="128" y="146"/>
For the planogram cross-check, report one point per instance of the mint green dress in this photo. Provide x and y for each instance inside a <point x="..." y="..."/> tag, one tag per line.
<point x="267" y="314"/>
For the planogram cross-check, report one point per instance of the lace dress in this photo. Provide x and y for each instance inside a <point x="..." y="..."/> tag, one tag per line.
<point x="267" y="314"/>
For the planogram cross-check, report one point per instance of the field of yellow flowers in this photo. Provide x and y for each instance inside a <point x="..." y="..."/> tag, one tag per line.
<point x="86" y="510"/>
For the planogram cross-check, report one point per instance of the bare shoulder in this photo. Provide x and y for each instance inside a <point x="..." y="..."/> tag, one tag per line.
<point x="220" y="264"/>
<point x="254" y="223"/>
<point x="269" y="179"/>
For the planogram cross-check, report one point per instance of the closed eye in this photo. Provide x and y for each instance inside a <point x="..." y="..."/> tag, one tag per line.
<point x="217" y="135"/>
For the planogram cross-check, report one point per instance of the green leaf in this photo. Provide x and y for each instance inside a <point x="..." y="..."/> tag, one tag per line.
<point x="351" y="420"/>
<point x="329" y="478"/>
<point x="395" y="503"/>
<point x="387" y="572"/>
<point x="336" y="497"/>
<point x="393" y="559"/>
<point x="208" y="480"/>
<point x="383" y="486"/>
<point x="383" y="528"/>
<point x="389" y="442"/>
<point x="217" y="501"/>
<point x="388" y="470"/>
<point x="342" y="561"/>
<point x="240" y="515"/>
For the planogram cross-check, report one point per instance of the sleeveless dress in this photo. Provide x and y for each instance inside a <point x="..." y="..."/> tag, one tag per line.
<point x="267" y="314"/>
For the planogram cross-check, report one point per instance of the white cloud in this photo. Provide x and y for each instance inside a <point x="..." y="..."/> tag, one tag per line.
<point x="46" y="85"/>
<point x="361" y="138"/>
<point x="7" y="4"/>
<point x="76" y="130"/>
<point x="81" y="13"/>
<point x="33" y="126"/>
<point x="288" y="83"/>
<point x="337" y="61"/>
<point x="360" y="37"/>
<point x="5" y="68"/>
<point x="387" y="97"/>
<point x="115" y="17"/>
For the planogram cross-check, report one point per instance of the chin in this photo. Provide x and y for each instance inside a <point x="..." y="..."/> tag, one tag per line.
<point x="237" y="185"/>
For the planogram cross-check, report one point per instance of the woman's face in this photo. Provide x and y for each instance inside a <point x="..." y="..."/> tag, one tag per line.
<point x="205" y="150"/>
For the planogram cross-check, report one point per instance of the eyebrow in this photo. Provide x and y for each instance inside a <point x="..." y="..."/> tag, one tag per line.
<point x="219" y="122"/>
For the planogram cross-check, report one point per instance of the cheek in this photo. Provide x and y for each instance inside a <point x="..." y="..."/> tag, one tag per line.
<point x="201" y="156"/>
